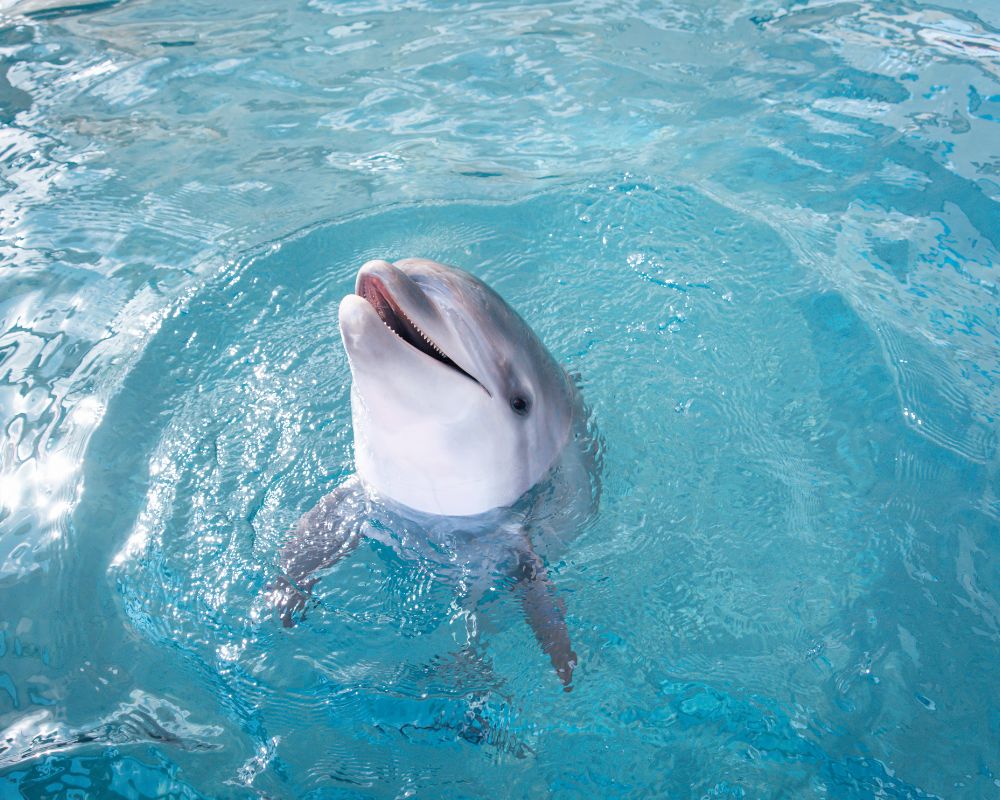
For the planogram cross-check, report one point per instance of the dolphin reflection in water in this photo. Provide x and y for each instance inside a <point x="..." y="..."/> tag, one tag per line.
<point x="469" y="440"/>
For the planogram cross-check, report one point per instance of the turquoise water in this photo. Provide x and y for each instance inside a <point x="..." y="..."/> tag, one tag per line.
<point x="765" y="239"/>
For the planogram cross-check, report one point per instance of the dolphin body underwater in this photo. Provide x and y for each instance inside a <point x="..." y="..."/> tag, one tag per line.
<point x="471" y="446"/>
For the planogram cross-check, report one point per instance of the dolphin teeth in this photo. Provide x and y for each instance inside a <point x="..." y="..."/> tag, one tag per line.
<point x="372" y="289"/>
<point x="423" y="335"/>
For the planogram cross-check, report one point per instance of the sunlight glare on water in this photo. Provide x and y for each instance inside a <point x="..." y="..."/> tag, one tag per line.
<point x="762" y="237"/>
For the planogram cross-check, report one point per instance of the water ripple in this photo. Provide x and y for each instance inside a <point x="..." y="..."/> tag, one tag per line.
<point x="764" y="237"/>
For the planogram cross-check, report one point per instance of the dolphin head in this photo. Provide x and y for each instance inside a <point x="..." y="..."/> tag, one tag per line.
<point x="457" y="406"/>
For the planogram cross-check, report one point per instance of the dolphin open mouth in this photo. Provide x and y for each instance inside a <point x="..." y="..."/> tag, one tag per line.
<point x="372" y="289"/>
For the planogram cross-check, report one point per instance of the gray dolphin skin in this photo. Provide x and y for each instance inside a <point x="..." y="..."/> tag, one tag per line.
<point x="468" y="436"/>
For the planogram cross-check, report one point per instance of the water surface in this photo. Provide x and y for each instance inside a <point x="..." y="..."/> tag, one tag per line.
<point x="764" y="238"/>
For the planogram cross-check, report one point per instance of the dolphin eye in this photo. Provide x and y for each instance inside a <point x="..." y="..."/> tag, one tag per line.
<point x="519" y="404"/>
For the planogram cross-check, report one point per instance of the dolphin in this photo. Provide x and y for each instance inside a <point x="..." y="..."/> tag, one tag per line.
<point x="468" y="436"/>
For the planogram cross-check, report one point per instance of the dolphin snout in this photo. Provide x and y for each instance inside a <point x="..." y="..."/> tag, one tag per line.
<point x="375" y="268"/>
<point x="403" y="290"/>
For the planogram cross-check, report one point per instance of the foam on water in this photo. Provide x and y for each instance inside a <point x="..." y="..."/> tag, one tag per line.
<point x="764" y="238"/>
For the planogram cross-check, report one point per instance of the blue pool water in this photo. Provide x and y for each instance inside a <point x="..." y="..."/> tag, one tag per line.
<point x="764" y="237"/>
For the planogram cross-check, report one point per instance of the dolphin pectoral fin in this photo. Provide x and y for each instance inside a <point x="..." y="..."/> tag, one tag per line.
<point x="289" y="599"/>
<point x="322" y="537"/>
<point x="546" y="614"/>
